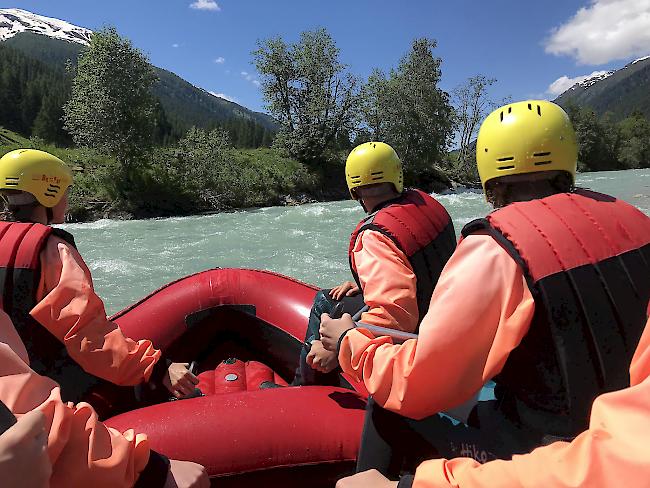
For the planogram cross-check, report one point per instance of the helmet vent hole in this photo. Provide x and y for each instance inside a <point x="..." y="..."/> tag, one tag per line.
<point x="509" y="109"/>
<point x="539" y="110"/>
<point x="501" y="116"/>
<point x="501" y="168"/>
<point x="541" y="163"/>
<point x="542" y="154"/>
<point x="530" y="107"/>
<point x="49" y="194"/>
<point x="509" y="158"/>
<point x="377" y="173"/>
<point x="12" y="181"/>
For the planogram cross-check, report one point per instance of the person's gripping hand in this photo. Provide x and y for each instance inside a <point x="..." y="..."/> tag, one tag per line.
<point x="332" y="329"/>
<point x="320" y="358"/>
<point x="179" y="380"/>
<point x="366" y="479"/>
<point x="185" y="474"/>
<point x="24" y="460"/>
<point x="346" y="289"/>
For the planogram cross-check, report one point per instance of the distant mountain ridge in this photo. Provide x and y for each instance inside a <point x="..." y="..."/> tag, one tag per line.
<point x="54" y="41"/>
<point x="620" y="92"/>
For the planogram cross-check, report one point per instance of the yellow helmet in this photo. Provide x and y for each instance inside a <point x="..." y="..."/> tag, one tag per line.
<point x="35" y="172"/>
<point x="371" y="163"/>
<point x="526" y="137"/>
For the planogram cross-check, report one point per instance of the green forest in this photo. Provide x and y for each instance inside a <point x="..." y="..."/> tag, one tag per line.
<point x="33" y="92"/>
<point x="140" y="160"/>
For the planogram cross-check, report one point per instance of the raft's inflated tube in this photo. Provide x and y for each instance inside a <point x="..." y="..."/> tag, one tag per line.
<point x="252" y="431"/>
<point x="260" y="437"/>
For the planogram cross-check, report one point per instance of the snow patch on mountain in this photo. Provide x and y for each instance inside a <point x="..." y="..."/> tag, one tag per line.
<point x="223" y="96"/>
<point x="14" y="21"/>
<point x="640" y="59"/>
<point x="592" y="80"/>
<point x="564" y="83"/>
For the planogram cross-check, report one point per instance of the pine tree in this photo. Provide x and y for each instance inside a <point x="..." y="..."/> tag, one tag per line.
<point x="47" y="122"/>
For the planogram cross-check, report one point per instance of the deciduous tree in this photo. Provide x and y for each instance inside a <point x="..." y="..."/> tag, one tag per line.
<point x="309" y="91"/>
<point x="472" y="104"/>
<point x="408" y="110"/>
<point x="111" y="108"/>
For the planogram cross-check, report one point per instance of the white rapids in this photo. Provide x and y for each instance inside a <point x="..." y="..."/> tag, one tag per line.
<point x="129" y="259"/>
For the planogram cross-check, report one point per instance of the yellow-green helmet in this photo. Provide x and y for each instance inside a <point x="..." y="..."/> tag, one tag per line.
<point x="36" y="172"/>
<point x="526" y="137"/>
<point x="371" y="163"/>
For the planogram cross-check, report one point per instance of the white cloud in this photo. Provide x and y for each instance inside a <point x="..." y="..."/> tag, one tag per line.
<point x="248" y="77"/>
<point x="220" y="60"/>
<point x="175" y="45"/>
<point x="563" y="83"/>
<point x="224" y="96"/>
<point x="205" y="5"/>
<point x="537" y="96"/>
<point x="604" y="31"/>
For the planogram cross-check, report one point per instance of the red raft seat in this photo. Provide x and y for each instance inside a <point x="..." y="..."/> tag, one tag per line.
<point x="233" y="375"/>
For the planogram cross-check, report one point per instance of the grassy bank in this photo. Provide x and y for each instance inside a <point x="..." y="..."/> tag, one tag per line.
<point x="171" y="182"/>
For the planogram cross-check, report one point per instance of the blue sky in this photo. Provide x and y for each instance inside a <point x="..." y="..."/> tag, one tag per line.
<point x="528" y="46"/>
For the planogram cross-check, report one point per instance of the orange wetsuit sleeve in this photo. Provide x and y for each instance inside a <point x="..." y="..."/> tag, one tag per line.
<point x="71" y="310"/>
<point x="480" y="310"/>
<point x="612" y="452"/>
<point x="83" y="451"/>
<point x="388" y="282"/>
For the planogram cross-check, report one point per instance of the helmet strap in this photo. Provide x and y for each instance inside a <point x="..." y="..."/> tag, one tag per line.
<point x="363" y="205"/>
<point x="50" y="215"/>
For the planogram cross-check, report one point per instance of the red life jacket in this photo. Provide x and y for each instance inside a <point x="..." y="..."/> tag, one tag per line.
<point x="586" y="257"/>
<point x="421" y="228"/>
<point x="20" y="273"/>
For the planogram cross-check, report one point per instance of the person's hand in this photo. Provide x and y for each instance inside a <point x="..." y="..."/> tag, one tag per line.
<point x="346" y="289"/>
<point x="332" y="329"/>
<point x="320" y="358"/>
<point x="367" y="479"/>
<point x="185" y="474"/>
<point x="23" y="453"/>
<point x="179" y="380"/>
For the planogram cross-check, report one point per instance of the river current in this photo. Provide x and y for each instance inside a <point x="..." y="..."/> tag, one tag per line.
<point x="129" y="259"/>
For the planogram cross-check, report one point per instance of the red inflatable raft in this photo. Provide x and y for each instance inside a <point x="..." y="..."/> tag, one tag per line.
<point x="244" y="435"/>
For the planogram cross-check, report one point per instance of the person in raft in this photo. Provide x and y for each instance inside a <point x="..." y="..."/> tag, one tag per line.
<point x="612" y="452"/>
<point x="396" y="254"/>
<point x="547" y="296"/>
<point x="59" y="444"/>
<point x="47" y="290"/>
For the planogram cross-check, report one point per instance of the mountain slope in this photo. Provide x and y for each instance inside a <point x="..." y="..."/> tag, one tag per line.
<point x="621" y="92"/>
<point x="14" y="21"/>
<point x="9" y="138"/>
<point x="54" y="42"/>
